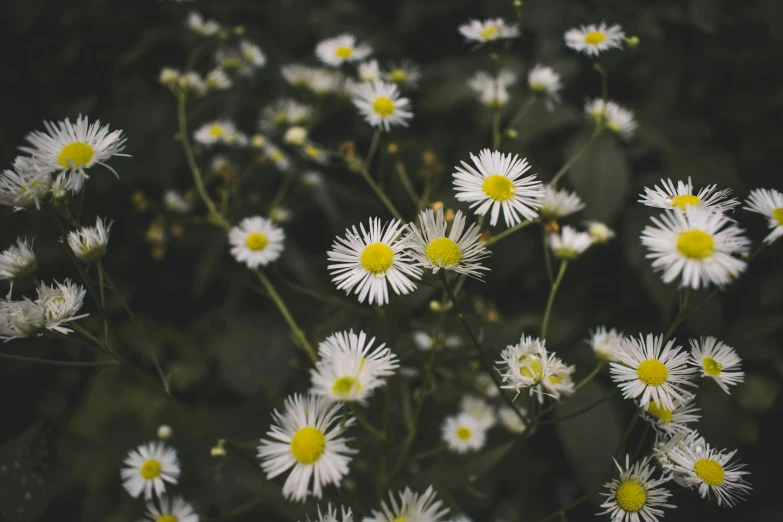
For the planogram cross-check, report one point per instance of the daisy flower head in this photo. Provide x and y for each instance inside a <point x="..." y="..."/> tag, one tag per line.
<point x="252" y="54"/>
<point x="463" y="433"/>
<point x="569" y="243"/>
<point x="483" y="31"/>
<point x="599" y="231"/>
<point x="605" y="343"/>
<point x="594" y="39"/>
<point x="559" y="384"/>
<point x="219" y="131"/>
<point x="350" y="369"/>
<point x="307" y="439"/>
<point x="276" y="155"/>
<point x="670" y="197"/>
<point x="709" y="471"/>
<point x="169" y="76"/>
<point x="256" y="241"/>
<point x="492" y="91"/>
<point x="217" y="80"/>
<point x="380" y="104"/>
<point x="768" y="203"/>
<point x="297" y="75"/>
<point x="170" y="509"/>
<point x="201" y="26"/>
<point x="20" y="318"/>
<point x="192" y="83"/>
<point x="369" y="261"/>
<point x="647" y="370"/>
<point x="61" y="302"/>
<point x="324" y="81"/>
<point x="405" y="74"/>
<point x="544" y="81"/>
<point x="527" y="365"/>
<point x="479" y="409"/>
<point x="411" y="507"/>
<point x="615" y="117"/>
<point x="558" y="204"/>
<point x="368" y="71"/>
<point x="332" y="515"/>
<point x="18" y="261"/>
<point x="341" y="49"/>
<point x="25" y="185"/>
<point x="672" y="420"/>
<point x="89" y="243"/>
<point x="460" y="251"/>
<point x="636" y="496"/>
<point x="511" y="421"/>
<point x="486" y="385"/>
<point x="697" y="245"/>
<point x="296" y="136"/>
<point x="717" y="361"/>
<point x="148" y="468"/>
<point x="173" y="201"/>
<point x="72" y="148"/>
<point x="498" y="183"/>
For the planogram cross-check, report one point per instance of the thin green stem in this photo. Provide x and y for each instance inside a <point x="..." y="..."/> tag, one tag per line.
<point x="518" y="117"/>
<point x="380" y="193"/>
<point x="119" y="296"/>
<point x="683" y="299"/>
<point x="576" y="157"/>
<point x="281" y="192"/>
<point x="547" y="259"/>
<point x="70" y="364"/>
<point x="406" y="181"/>
<point x="589" y="377"/>
<point x="83" y="331"/>
<point x="641" y="442"/>
<point x="578" y="412"/>
<point x="627" y="433"/>
<point x="495" y="128"/>
<point x="509" y="231"/>
<point x="562" y="511"/>
<point x="102" y="289"/>
<point x="366" y="424"/>
<point x="429" y="453"/>
<point x="551" y="300"/>
<point x="376" y="138"/>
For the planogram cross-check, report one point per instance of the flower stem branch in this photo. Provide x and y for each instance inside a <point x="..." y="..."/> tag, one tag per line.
<point x="406" y="181"/>
<point x="509" y="231"/>
<point x="366" y="424"/>
<point x="576" y="157"/>
<point x="70" y="364"/>
<point x="376" y="138"/>
<point x="551" y="300"/>
<point x="380" y="193"/>
<point x="578" y="412"/>
<point x="589" y="377"/>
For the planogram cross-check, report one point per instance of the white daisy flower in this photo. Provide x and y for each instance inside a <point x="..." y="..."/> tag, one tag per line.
<point x="169" y="76"/>
<point x="350" y="369"/>
<point x="664" y="444"/>
<point x="18" y="261"/>
<point x="20" y="318"/>
<point x="558" y="385"/>
<point x="511" y="421"/>
<point x="615" y="117"/>
<point x="252" y="54"/>
<point x="460" y="251"/>
<point x="164" y="432"/>
<point x="369" y="71"/>
<point x="497" y="183"/>
<point x="256" y="241"/>
<point x="191" y="82"/>
<point x="645" y="369"/>
<point x="199" y="25"/>
<point x="89" y="243"/>
<point x="332" y="515"/>
<point x="545" y="81"/>
<point x="324" y="81"/>
<point x="718" y="361"/>
<point x="635" y="496"/>
<point x="482" y="31"/>
<point x="605" y="343"/>
<point x="217" y="80"/>
<point x="380" y="104"/>
<point x="486" y="385"/>
<point x="219" y="131"/>
<point x="558" y="204"/>
<point x="594" y="39"/>
<point x="176" y="202"/>
<point x="281" y="215"/>
<point x="315" y="153"/>
<point x="768" y="203"/>
<point x="341" y="49"/>
<point x="61" y="302"/>
<point x="405" y="75"/>
<point x="73" y="148"/>
<point x="368" y="261"/>
<point x="26" y="185"/>
<point x="527" y="365"/>
<point x="297" y="75"/>
<point x="492" y="92"/>
<point x="296" y="136"/>
<point x="424" y="341"/>
<point x="599" y="231"/>
<point x="569" y="243"/>
<point x="276" y="155"/>
<point x="149" y="468"/>
<point x="411" y="507"/>
<point x="669" y="197"/>
<point x="672" y="420"/>
<point x="480" y="410"/>
<point x="696" y="244"/>
<point x="170" y="509"/>
<point x="307" y="440"/>
<point x="463" y="433"/>
<point x="708" y="470"/>
<point x="312" y="179"/>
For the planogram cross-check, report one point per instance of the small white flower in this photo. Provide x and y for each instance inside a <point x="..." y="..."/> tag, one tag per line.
<point x="492" y="91"/>
<point x="284" y="112"/>
<point x="558" y="204"/>
<point x="599" y="231"/>
<point x="545" y="82"/>
<point x="615" y="117"/>
<point x="463" y="433"/>
<point x="169" y="76"/>
<point x="280" y="215"/>
<point x="696" y="244"/>
<point x="149" y="468"/>
<point x="256" y="241"/>
<point x="635" y="496"/>
<point x="460" y="251"/>
<point x="217" y="80"/>
<point x="219" y="131"/>
<point x="312" y="179"/>
<point x="176" y="202"/>
<point x="199" y="25"/>
<point x="341" y="49"/>
<point x="73" y="148"/>
<point x="18" y="261"/>
<point x="768" y="203"/>
<point x="557" y="385"/>
<point x="164" y="432"/>
<point x="26" y="185"/>
<point x="411" y="507"/>
<point x="480" y="410"/>
<point x="380" y="104"/>
<point x="497" y="183"/>
<point x="718" y="361"/>
<point x="405" y="74"/>
<point x="277" y="156"/>
<point x="486" y="385"/>
<point x="605" y="343"/>
<point x="89" y="243"/>
<point x="297" y="75"/>
<point x="296" y="136"/>
<point x="369" y="71"/>
<point x="61" y="302"/>
<point x="307" y="439"/>
<point x="569" y="243"/>
<point x="20" y="318"/>
<point x="191" y="82"/>
<point x="669" y="197"/>
<point x="252" y="54"/>
<point x="511" y="420"/>
<point x="332" y="515"/>
<point x="655" y="373"/>
<point x="594" y="39"/>
<point x="672" y="420"/>
<point x="315" y="153"/>
<point x="170" y="509"/>
<point x="482" y="31"/>
<point x="324" y="81"/>
<point x="527" y="365"/>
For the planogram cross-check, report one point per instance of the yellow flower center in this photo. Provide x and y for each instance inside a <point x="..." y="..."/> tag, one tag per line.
<point x="664" y="415"/>
<point x="401" y="518"/>
<point x="308" y="444"/>
<point x="256" y="241"/>
<point x="76" y="154"/>
<point x="566" y="253"/>
<point x="595" y="37"/>
<point x="777" y="215"/>
<point x="150" y="469"/>
<point x="614" y="126"/>
<point x="249" y="55"/>
<point x="166" y="518"/>
<point x="377" y="258"/>
<point x="684" y="200"/>
<point x="652" y="372"/>
<point x="538" y="87"/>
<point x="398" y="76"/>
<point x="695" y="244"/>
<point x="631" y="496"/>
<point x="383" y="106"/>
<point x="463" y="433"/>
<point x="711" y="366"/>
<point x="344" y="385"/>
<point x="232" y="63"/>
<point x="709" y="471"/>
<point x="312" y="151"/>
<point x="216" y="130"/>
<point x="530" y="367"/>
<point x="281" y="118"/>
<point x="488" y="33"/>
<point x="498" y="187"/>
<point x="343" y="52"/>
<point x="442" y="251"/>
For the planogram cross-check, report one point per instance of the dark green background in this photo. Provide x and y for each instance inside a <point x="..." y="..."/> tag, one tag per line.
<point x="704" y="84"/>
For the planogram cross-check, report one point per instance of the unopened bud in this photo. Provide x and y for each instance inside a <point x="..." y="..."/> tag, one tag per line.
<point x="512" y="134"/>
<point x="164" y="432"/>
<point x="632" y="41"/>
<point x="393" y="148"/>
